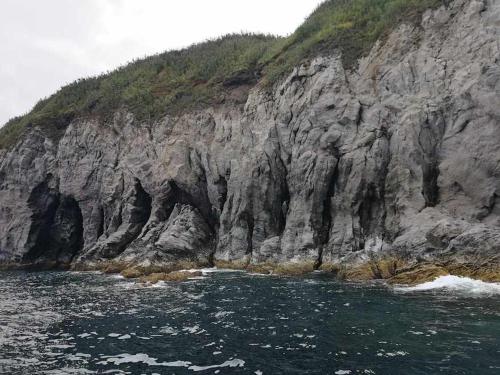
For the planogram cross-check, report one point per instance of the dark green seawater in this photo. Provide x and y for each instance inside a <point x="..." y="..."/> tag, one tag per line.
<point x="236" y="323"/>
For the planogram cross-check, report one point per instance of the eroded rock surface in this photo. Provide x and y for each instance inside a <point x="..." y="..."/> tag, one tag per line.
<point x="399" y="157"/>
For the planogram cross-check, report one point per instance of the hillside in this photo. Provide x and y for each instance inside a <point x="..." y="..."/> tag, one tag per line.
<point x="201" y="75"/>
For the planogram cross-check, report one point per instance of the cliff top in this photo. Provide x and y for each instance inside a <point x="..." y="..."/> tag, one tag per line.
<point x="203" y="74"/>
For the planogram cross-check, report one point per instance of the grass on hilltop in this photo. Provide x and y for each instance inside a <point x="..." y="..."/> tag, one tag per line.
<point x="201" y="75"/>
<point x="350" y="26"/>
<point x="168" y="82"/>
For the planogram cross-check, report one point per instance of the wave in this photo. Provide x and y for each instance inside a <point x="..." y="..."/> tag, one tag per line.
<point x="459" y="284"/>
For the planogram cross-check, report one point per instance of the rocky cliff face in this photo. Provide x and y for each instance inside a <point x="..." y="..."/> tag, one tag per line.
<point x="399" y="158"/>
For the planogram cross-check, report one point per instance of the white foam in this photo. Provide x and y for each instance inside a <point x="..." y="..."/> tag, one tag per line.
<point x="232" y="363"/>
<point x="61" y="346"/>
<point x="168" y="330"/>
<point x="193" y="329"/>
<point x="193" y="270"/>
<point x="159" y="284"/>
<point x="140" y="358"/>
<point x="83" y="355"/>
<point x="150" y="361"/>
<point x="222" y="314"/>
<point x="455" y="284"/>
<point x="215" y="269"/>
<point x="68" y="371"/>
<point x="270" y="274"/>
<point x="418" y="333"/>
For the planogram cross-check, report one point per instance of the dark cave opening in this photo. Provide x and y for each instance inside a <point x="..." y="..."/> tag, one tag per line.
<point x="430" y="188"/>
<point x="222" y="190"/>
<point x="43" y="201"/>
<point x="101" y="222"/>
<point x="366" y="210"/>
<point x="67" y="230"/>
<point x="56" y="232"/>
<point x="142" y="203"/>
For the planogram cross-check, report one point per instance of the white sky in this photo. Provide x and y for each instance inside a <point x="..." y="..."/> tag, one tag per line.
<point x="45" y="44"/>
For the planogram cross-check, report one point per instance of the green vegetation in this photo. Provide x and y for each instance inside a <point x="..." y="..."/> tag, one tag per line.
<point x="170" y="82"/>
<point x="203" y="74"/>
<point x="351" y="26"/>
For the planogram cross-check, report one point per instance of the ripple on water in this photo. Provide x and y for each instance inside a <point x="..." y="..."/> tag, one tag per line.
<point x="74" y="323"/>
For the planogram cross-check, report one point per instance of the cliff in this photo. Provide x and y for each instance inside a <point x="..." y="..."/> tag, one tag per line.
<point x="389" y="165"/>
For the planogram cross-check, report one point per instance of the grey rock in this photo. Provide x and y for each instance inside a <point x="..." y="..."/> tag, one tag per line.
<point x="398" y="156"/>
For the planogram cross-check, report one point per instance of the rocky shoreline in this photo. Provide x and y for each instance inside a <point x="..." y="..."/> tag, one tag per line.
<point x="385" y="171"/>
<point x="390" y="270"/>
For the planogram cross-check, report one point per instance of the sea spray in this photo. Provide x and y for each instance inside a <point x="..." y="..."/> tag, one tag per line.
<point x="458" y="284"/>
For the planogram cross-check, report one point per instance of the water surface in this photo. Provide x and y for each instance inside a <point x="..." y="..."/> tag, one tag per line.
<point x="236" y="323"/>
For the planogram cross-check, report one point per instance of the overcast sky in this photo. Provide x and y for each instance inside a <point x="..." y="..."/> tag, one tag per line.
<point x="46" y="44"/>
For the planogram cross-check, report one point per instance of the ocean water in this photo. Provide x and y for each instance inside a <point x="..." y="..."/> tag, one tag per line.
<point x="238" y="323"/>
